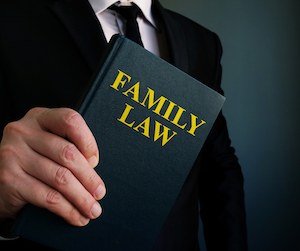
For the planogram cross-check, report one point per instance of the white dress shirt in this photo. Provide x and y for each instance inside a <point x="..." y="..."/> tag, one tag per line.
<point x="152" y="35"/>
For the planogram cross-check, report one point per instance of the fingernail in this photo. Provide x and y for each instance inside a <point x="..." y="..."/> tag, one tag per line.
<point x="100" y="192"/>
<point x="96" y="210"/>
<point x="84" y="221"/>
<point x="93" y="161"/>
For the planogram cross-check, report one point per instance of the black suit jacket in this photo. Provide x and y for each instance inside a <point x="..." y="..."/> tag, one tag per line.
<point x="48" y="51"/>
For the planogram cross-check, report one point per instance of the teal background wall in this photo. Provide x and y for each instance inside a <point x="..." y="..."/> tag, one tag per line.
<point x="261" y="60"/>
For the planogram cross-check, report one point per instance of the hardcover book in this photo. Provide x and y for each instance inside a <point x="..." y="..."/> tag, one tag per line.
<point x="150" y="121"/>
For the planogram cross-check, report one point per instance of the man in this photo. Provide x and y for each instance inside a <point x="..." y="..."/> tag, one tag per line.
<point x="48" y="51"/>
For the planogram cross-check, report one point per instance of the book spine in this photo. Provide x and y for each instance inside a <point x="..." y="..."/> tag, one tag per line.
<point x="82" y="105"/>
<point x="111" y="51"/>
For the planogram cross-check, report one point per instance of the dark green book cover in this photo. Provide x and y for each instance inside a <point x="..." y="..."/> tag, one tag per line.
<point x="150" y="121"/>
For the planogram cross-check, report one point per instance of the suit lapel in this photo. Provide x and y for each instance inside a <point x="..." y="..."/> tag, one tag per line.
<point x="79" y="19"/>
<point x="175" y="37"/>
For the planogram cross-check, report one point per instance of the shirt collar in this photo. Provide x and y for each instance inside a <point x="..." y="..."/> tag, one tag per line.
<point x="145" y="5"/>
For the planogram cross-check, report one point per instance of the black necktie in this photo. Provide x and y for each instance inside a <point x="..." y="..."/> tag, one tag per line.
<point x="130" y="13"/>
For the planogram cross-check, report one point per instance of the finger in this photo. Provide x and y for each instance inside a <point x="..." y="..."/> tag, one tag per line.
<point x="18" y="188"/>
<point x="67" y="155"/>
<point x="41" y="195"/>
<point x="63" y="181"/>
<point x="69" y="124"/>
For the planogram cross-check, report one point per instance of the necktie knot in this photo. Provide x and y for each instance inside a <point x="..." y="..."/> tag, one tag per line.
<point x="130" y="13"/>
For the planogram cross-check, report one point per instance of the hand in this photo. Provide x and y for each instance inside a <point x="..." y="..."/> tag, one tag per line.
<point x="47" y="159"/>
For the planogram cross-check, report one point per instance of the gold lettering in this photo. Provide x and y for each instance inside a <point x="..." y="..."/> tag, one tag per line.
<point x="145" y="125"/>
<point x="135" y="90"/>
<point x="124" y="116"/>
<point x="194" y="125"/>
<point x="169" y="110"/>
<point x="119" y="80"/>
<point x="160" y="102"/>
<point x="178" y="116"/>
<point x="156" y="105"/>
<point x="164" y="134"/>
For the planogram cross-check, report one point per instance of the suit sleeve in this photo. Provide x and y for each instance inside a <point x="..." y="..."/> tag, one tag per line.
<point x="2" y="106"/>
<point x="221" y="193"/>
<point x="5" y="106"/>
